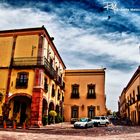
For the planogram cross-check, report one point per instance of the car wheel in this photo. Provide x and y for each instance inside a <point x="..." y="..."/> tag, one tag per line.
<point x="96" y="125"/>
<point x="106" y="124"/>
<point x="86" y="126"/>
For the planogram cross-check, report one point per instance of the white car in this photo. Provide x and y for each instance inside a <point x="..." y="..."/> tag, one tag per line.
<point x="83" y="123"/>
<point x="100" y="120"/>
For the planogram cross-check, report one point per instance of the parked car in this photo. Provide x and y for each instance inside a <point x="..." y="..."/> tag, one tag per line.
<point x="83" y="123"/>
<point x="73" y="120"/>
<point x="100" y="120"/>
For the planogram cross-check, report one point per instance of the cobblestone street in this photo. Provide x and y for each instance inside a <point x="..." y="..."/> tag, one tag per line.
<point x="66" y="131"/>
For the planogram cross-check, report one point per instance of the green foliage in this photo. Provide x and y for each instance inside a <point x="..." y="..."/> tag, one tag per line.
<point x="58" y="119"/>
<point x="45" y="120"/>
<point x="53" y="113"/>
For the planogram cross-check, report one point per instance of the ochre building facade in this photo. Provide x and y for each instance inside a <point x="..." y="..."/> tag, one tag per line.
<point x="31" y="75"/>
<point x="32" y="79"/>
<point x="84" y="93"/>
<point x="129" y="101"/>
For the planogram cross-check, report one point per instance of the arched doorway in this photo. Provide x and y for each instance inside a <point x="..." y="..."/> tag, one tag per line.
<point x="51" y="107"/>
<point x="20" y="108"/>
<point x="44" y="108"/>
<point x="57" y="109"/>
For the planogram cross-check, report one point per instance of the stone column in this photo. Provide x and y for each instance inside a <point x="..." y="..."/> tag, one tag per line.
<point x="37" y="99"/>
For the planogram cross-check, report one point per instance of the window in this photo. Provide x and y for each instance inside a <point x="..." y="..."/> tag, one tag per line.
<point x="22" y="80"/>
<point x="91" y="111"/>
<point x="75" y="91"/>
<point x="133" y="96"/>
<point x="74" y="112"/>
<point x="138" y="93"/>
<point x="51" y="63"/>
<point x="91" y="92"/>
<point x="138" y="90"/>
<point x="58" y="95"/>
<point x="53" y="91"/>
<point x="45" y="85"/>
<point x="1" y="97"/>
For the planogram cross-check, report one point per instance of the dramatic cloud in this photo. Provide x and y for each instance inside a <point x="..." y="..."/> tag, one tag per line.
<point x="87" y="33"/>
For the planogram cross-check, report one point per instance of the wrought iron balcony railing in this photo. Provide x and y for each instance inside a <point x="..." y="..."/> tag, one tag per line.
<point x="91" y="96"/>
<point x="33" y="62"/>
<point x="75" y="96"/>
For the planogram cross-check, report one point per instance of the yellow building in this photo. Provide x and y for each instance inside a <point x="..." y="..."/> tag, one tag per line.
<point x="31" y="75"/>
<point x="84" y="93"/>
<point x="132" y="99"/>
<point x="122" y="104"/>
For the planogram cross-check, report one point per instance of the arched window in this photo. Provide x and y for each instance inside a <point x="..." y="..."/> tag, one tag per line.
<point x="22" y="80"/>
<point x="53" y="91"/>
<point x="58" y="95"/>
<point x="1" y="97"/>
<point x="45" y="85"/>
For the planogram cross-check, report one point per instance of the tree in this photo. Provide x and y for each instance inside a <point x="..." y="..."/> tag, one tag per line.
<point x="53" y="114"/>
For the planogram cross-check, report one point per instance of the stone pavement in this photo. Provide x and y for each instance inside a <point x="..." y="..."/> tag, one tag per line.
<point x="65" y="131"/>
<point x="8" y="135"/>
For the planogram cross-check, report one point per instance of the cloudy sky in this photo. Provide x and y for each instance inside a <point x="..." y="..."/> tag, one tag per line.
<point x="87" y="33"/>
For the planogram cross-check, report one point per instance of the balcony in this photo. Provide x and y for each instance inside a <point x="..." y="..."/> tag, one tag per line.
<point x="91" y="96"/>
<point x="30" y="62"/>
<point x="138" y="97"/>
<point x="75" y="96"/>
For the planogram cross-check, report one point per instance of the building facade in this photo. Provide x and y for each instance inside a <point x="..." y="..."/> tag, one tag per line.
<point x="31" y="75"/>
<point x="131" y="98"/>
<point x="84" y="93"/>
<point x="122" y="104"/>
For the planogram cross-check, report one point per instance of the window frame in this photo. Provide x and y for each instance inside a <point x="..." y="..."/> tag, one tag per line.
<point x="75" y="91"/>
<point x="74" y="111"/>
<point x="91" y="91"/>
<point x="22" y="80"/>
<point x="91" y="111"/>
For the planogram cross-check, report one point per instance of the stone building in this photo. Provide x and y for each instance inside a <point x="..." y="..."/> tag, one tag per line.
<point x="31" y="74"/>
<point x="84" y="93"/>
<point x="32" y="79"/>
<point x="129" y="101"/>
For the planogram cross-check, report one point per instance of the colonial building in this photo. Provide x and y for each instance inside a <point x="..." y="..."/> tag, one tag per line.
<point x="84" y="93"/>
<point x="32" y="80"/>
<point x="122" y="104"/>
<point x="129" y="100"/>
<point x="31" y="75"/>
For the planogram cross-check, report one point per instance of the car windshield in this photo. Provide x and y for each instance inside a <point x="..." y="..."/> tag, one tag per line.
<point x="96" y="118"/>
<point x="83" y="120"/>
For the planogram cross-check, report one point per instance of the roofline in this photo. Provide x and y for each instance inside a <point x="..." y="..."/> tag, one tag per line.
<point x="54" y="46"/>
<point x="34" y="29"/>
<point x="85" y="70"/>
<point x="137" y="72"/>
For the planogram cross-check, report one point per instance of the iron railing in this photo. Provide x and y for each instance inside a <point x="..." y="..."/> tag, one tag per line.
<point x="38" y="62"/>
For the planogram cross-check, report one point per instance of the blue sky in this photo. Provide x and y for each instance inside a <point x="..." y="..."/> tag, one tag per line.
<point x="87" y="34"/>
